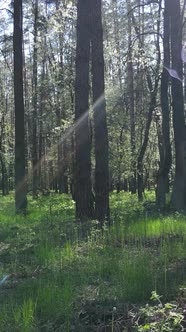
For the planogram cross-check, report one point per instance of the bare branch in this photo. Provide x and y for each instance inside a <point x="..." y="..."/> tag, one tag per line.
<point x="143" y="5"/>
<point x="8" y="10"/>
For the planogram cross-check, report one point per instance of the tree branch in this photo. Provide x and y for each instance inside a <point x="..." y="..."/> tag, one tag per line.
<point x="142" y="5"/>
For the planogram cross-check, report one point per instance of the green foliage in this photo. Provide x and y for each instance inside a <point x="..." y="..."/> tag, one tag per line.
<point x="166" y="317"/>
<point x="24" y="316"/>
<point x="63" y="274"/>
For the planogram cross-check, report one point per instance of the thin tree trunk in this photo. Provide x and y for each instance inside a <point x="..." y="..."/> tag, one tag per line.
<point x="35" y="101"/>
<point x="130" y="81"/>
<point x="165" y="157"/>
<point x="153" y="95"/>
<point x="145" y="142"/>
<point x="61" y="114"/>
<point x="41" y="166"/>
<point x="2" y="158"/>
<point x="117" y="40"/>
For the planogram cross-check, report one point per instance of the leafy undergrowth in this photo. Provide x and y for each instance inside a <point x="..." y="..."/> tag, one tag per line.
<point x="61" y="275"/>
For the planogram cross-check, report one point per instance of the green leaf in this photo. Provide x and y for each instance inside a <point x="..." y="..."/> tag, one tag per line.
<point x="146" y="327"/>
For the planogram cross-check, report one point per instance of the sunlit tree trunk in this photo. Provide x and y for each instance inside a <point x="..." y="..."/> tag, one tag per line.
<point x="99" y="113"/>
<point x="83" y="195"/>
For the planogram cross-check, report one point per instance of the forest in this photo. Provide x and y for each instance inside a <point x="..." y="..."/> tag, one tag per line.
<point x="92" y="165"/>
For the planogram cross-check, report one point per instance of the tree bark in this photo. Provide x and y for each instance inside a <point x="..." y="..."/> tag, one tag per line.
<point x="117" y="41"/>
<point x="130" y="83"/>
<point x="99" y="114"/>
<point x="179" y="187"/>
<point x="4" y="172"/>
<point x="42" y="102"/>
<point x="145" y="142"/>
<point x="83" y="193"/>
<point x="165" y="156"/>
<point x="153" y="95"/>
<point x="35" y="106"/>
<point x="20" y="176"/>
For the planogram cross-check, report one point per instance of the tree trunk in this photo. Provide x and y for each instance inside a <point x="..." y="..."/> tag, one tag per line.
<point x="179" y="188"/>
<point x="165" y="156"/>
<point x="34" y="102"/>
<point x="20" y="178"/>
<point x="41" y="165"/>
<point x="131" y="106"/>
<point x="145" y="142"/>
<point x="65" y="141"/>
<point x="99" y="114"/>
<point x="83" y="194"/>
<point x="153" y="95"/>
<point x="117" y="41"/>
<point x="2" y="157"/>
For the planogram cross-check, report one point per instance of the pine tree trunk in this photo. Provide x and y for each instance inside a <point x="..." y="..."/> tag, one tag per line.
<point x="34" y="102"/>
<point x="99" y="114"/>
<point x="165" y="157"/>
<point x="130" y="83"/>
<point x="41" y="168"/>
<point x="20" y="176"/>
<point x="83" y="194"/>
<point x="61" y="114"/>
<point x="179" y="188"/>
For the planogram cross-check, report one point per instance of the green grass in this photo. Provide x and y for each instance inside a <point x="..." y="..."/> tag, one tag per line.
<point x="66" y="276"/>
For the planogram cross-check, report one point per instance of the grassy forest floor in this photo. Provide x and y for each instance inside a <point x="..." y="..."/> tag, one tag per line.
<point x="60" y="275"/>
